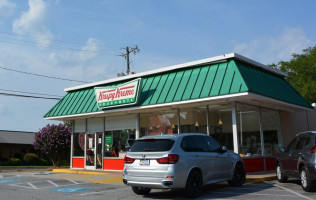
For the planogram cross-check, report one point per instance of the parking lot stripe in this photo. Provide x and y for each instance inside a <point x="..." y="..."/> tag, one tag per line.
<point x="296" y="193"/>
<point x="51" y="182"/>
<point x="105" y="191"/>
<point x="72" y="181"/>
<point x="240" y="193"/>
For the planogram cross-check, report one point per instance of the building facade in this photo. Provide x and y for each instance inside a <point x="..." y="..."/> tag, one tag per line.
<point x="241" y="103"/>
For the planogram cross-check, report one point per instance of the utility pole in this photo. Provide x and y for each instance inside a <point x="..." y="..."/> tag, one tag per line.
<point x="126" y="56"/>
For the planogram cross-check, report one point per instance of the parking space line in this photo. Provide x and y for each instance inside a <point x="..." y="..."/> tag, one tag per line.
<point x="240" y="193"/>
<point x="51" y="182"/>
<point x="75" y="182"/>
<point x="104" y="191"/>
<point x="293" y="192"/>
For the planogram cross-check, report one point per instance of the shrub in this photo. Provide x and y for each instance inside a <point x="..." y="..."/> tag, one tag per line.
<point x="14" y="162"/>
<point x="31" y="159"/>
<point x="44" y="162"/>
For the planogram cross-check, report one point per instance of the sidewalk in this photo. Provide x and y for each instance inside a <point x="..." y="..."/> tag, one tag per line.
<point x="250" y="178"/>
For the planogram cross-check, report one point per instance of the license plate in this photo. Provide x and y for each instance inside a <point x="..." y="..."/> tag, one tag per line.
<point x="144" y="162"/>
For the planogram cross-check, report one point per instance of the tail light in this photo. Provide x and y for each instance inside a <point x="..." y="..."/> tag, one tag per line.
<point x="313" y="149"/>
<point x="128" y="160"/>
<point x="171" y="159"/>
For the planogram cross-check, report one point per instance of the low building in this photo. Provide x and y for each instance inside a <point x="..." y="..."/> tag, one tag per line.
<point x="243" y="104"/>
<point x="15" y="144"/>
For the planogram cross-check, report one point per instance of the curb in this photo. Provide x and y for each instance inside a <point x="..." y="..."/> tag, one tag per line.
<point x="256" y="180"/>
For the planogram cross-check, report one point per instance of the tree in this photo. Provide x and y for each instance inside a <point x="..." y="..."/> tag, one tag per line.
<point x="53" y="140"/>
<point x="301" y="70"/>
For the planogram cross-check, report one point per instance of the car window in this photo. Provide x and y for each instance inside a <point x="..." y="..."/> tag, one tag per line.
<point x="307" y="141"/>
<point x="194" y="144"/>
<point x="300" y="143"/>
<point x="292" y="144"/>
<point x="213" y="145"/>
<point x="152" y="145"/>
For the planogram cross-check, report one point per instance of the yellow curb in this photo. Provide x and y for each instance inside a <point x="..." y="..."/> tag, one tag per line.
<point x="255" y="180"/>
<point x="77" y="172"/>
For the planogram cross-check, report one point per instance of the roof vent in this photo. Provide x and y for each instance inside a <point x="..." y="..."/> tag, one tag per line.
<point x="314" y="105"/>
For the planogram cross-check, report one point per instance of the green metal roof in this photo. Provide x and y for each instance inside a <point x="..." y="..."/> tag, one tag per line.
<point x="210" y="80"/>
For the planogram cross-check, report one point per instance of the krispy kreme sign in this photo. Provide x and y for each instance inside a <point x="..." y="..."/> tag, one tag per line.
<point x="121" y="95"/>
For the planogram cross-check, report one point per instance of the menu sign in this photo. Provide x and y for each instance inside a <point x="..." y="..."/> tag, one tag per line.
<point x="123" y="94"/>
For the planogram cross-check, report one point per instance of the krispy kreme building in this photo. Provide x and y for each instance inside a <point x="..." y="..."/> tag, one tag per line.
<point x="245" y="105"/>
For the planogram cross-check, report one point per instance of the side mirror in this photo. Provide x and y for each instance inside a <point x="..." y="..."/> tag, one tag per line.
<point x="224" y="148"/>
<point x="282" y="149"/>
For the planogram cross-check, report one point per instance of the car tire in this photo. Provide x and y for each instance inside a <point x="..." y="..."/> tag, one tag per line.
<point x="239" y="176"/>
<point x="280" y="175"/>
<point x="141" y="190"/>
<point x="307" y="184"/>
<point x="194" y="185"/>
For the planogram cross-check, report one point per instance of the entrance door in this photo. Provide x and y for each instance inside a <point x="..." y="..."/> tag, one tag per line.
<point x="90" y="151"/>
<point x="99" y="156"/>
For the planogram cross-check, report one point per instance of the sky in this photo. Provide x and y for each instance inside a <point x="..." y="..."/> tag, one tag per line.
<point x="83" y="40"/>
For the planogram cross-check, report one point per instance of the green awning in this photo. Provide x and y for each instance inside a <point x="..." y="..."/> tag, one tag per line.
<point x="230" y="77"/>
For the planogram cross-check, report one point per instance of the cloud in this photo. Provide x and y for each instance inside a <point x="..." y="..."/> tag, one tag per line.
<point x="274" y="49"/>
<point x="32" y="22"/>
<point x="90" y="50"/>
<point x="6" y="9"/>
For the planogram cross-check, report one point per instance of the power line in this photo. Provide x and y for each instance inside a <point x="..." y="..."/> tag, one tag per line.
<point x="52" y="77"/>
<point x="26" y="96"/>
<point x="31" y="93"/>
<point x="54" y="40"/>
<point x="59" y="48"/>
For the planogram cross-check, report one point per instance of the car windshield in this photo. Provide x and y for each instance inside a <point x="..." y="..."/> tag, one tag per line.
<point x="150" y="145"/>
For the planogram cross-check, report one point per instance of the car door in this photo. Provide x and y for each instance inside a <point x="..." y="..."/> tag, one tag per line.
<point x="221" y="162"/>
<point x="287" y="156"/>
<point x="294" y="157"/>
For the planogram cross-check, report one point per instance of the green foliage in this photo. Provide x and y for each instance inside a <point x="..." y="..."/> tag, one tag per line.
<point x="31" y="159"/>
<point x="14" y="161"/>
<point x="45" y="162"/>
<point x="54" y="141"/>
<point x="301" y="70"/>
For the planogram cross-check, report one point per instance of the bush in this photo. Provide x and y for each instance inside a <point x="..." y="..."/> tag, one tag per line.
<point x="31" y="159"/>
<point x="45" y="162"/>
<point x="14" y="162"/>
<point x="65" y="163"/>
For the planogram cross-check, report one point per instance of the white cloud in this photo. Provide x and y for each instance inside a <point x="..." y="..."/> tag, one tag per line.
<point x="7" y="9"/>
<point x="32" y="22"/>
<point x="90" y="50"/>
<point x="274" y="49"/>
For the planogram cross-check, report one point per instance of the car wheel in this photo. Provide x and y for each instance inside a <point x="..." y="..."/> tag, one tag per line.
<point x="239" y="176"/>
<point x="306" y="181"/>
<point x="141" y="190"/>
<point x="280" y="175"/>
<point x="194" y="186"/>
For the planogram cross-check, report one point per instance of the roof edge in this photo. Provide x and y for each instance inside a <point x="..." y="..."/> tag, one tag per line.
<point x="215" y="59"/>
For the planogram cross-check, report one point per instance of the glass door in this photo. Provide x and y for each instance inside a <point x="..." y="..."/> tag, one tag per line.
<point x="99" y="155"/>
<point x="90" y="151"/>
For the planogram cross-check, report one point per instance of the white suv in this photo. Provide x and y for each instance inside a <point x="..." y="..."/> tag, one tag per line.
<point x="182" y="161"/>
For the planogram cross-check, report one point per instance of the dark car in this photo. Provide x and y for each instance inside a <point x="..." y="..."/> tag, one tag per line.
<point x="298" y="160"/>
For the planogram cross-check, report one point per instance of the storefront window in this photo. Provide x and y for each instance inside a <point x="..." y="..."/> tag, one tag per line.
<point x="271" y="131"/>
<point x="117" y="142"/>
<point x="193" y="120"/>
<point x="248" y="124"/>
<point x="78" y="144"/>
<point x="163" y="122"/>
<point x="220" y="119"/>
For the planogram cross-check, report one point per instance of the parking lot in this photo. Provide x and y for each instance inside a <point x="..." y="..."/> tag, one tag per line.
<point x="47" y="185"/>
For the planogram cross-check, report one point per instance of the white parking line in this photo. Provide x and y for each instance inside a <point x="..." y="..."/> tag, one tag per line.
<point x="51" y="182"/>
<point x="75" y="182"/>
<point x="240" y="193"/>
<point x="296" y="193"/>
<point x="105" y="191"/>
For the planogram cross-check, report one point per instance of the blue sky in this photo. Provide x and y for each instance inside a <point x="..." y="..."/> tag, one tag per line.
<point x="81" y="40"/>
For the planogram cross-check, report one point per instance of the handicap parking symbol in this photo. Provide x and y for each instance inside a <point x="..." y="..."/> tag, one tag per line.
<point x="71" y="189"/>
<point x="9" y="181"/>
